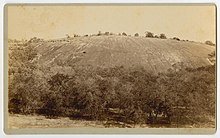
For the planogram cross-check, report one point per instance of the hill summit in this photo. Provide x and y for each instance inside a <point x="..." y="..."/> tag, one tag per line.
<point x="155" y="55"/>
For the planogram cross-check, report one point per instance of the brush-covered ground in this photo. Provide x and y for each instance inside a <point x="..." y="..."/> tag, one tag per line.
<point x="111" y="81"/>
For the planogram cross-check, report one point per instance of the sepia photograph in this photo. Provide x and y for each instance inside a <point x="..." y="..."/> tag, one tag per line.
<point x="110" y="66"/>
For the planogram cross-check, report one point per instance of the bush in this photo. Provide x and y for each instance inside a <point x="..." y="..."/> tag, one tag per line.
<point x="52" y="107"/>
<point x="106" y="33"/>
<point x="99" y="33"/>
<point x="67" y="36"/>
<point x="156" y="36"/>
<point x="75" y="35"/>
<point x="176" y="38"/>
<point x="136" y="34"/>
<point x="35" y="40"/>
<point x="209" y="43"/>
<point x="124" y="34"/>
<point x="17" y="103"/>
<point x="163" y="36"/>
<point x="149" y="34"/>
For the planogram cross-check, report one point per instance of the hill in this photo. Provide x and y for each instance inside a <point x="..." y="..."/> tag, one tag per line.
<point x="155" y="55"/>
<point x="114" y="78"/>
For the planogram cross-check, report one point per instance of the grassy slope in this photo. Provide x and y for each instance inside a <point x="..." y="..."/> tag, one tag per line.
<point x="156" y="55"/>
<point x="36" y="121"/>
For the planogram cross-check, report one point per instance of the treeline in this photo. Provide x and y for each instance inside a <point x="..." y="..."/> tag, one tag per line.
<point x="69" y="37"/>
<point x="130" y="95"/>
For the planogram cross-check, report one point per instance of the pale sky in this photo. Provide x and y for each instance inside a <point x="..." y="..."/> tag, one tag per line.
<point x="186" y="22"/>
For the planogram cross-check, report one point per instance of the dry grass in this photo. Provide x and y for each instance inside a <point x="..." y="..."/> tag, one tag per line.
<point x="36" y="121"/>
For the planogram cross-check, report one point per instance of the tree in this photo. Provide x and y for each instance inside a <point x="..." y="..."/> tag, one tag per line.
<point x="34" y="40"/>
<point x="67" y="36"/>
<point x="106" y="33"/>
<point x="75" y="35"/>
<point x="176" y="38"/>
<point x="163" y="36"/>
<point x="149" y="34"/>
<point x="22" y="82"/>
<point x="99" y="33"/>
<point x="136" y="34"/>
<point x="124" y="34"/>
<point x="156" y="36"/>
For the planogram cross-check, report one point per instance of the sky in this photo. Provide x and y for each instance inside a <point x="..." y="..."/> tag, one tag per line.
<point x="192" y="22"/>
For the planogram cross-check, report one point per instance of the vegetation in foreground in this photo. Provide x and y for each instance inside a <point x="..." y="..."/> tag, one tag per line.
<point x="129" y="95"/>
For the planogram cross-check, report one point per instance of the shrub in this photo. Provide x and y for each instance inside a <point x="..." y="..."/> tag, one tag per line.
<point x="209" y="43"/>
<point x="149" y="34"/>
<point x="75" y="35"/>
<point x="67" y="36"/>
<point x="124" y="34"/>
<point x="34" y="40"/>
<point x="136" y="34"/>
<point x="17" y="103"/>
<point x="212" y="54"/>
<point x="156" y="36"/>
<point x="99" y="33"/>
<point x="52" y="107"/>
<point x="176" y="38"/>
<point x="163" y="36"/>
<point x="106" y="33"/>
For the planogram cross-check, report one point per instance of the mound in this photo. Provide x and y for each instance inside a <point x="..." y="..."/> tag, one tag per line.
<point x="155" y="55"/>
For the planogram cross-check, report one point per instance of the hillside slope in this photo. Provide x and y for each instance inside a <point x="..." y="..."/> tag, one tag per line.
<point x="156" y="55"/>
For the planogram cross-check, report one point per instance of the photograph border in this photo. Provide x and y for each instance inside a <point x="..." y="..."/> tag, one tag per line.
<point x="95" y="130"/>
